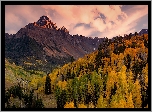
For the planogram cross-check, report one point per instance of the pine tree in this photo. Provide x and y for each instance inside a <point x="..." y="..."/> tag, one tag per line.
<point x="48" y="85"/>
<point x="127" y="61"/>
<point x="72" y="59"/>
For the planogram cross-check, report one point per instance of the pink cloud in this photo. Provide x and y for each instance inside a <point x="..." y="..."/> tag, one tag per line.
<point x="70" y="15"/>
<point x="87" y="15"/>
<point x="78" y="30"/>
<point x="98" y="24"/>
<point x="17" y="16"/>
<point x="127" y="24"/>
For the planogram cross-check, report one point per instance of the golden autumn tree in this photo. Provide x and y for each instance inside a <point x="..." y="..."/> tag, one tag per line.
<point x="118" y="100"/>
<point x="112" y="78"/>
<point x="101" y="103"/>
<point x="69" y="105"/>
<point x="130" y="103"/>
<point x="145" y="75"/>
<point x="136" y="93"/>
<point x="82" y="106"/>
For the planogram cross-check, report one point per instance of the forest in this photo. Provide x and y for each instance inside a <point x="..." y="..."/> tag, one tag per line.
<point x="114" y="76"/>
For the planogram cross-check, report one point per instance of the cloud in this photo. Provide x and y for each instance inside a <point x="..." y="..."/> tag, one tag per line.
<point x="98" y="24"/>
<point x="87" y="15"/>
<point x="17" y="16"/>
<point x="94" y="20"/>
<point x="79" y="29"/>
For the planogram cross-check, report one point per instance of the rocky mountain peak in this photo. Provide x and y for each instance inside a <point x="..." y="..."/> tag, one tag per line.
<point x="45" y="22"/>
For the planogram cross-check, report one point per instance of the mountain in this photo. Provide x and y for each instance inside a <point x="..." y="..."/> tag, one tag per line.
<point x="114" y="76"/>
<point x="41" y="45"/>
<point x="98" y="80"/>
<point x="143" y="31"/>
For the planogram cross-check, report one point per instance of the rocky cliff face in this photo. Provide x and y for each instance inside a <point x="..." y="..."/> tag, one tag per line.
<point x="47" y="42"/>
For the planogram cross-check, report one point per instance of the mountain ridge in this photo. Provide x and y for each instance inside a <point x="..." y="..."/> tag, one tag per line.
<point x="51" y="43"/>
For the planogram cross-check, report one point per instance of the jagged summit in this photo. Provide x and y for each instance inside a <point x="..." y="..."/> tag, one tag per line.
<point x="44" y="17"/>
<point x="41" y="40"/>
<point x="45" y="22"/>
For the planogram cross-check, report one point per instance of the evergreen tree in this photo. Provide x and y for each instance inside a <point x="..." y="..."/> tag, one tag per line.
<point x="48" y="85"/>
<point x="72" y="59"/>
<point x="60" y="97"/>
<point x="127" y="61"/>
<point x="98" y="61"/>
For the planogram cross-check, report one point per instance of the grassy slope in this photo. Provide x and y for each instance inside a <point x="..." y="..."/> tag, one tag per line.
<point x="14" y="74"/>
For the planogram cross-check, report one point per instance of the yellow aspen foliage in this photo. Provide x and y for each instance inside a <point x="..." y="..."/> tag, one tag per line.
<point x="134" y="52"/>
<point x="131" y="51"/>
<point x="69" y="105"/>
<point x="142" y="45"/>
<point x="126" y="51"/>
<point x="136" y="92"/>
<point x="112" y="78"/>
<point x="41" y="89"/>
<point x="146" y="50"/>
<point x="44" y="79"/>
<point x="91" y="105"/>
<point x="145" y="36"/>
<point x="111" y="48"/>
<point x="130" y="81"/>
<point x="101" y="103"/>
<point x="145" y="73"/>
<point x="123" y="79"/>
<point x="129" y="103"/>
<point x="82" y="106"/>
<point x="106" y="60"/>
<point x="119" y="64"/>
<point x="127" y="43"/>
<point x="62" y="84"/>
<point x="123" y="70"/>
<point x="53" y="77"/>
<point x="122" y="103"/>
<point x="118" y="101"/>
<point x="109" y="69"/>
<point x="121" y="56"/>
<point x="114" y="102"/>
<point x="90" y="88"/>
<point x="34" y="83"/>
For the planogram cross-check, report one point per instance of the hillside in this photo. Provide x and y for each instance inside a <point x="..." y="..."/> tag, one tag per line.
<point x="24" y="89"/>
<point x="115" y="76"/>
<point x="41" y="46"/>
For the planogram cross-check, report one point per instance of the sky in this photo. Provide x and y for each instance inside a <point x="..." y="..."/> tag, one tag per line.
<point x="87" y="20"/>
